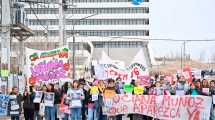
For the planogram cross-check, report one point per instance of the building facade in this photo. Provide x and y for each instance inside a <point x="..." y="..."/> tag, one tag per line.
<point x="117" y="27"/>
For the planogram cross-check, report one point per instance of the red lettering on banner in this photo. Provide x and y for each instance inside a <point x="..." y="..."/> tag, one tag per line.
<point x="191" y="102"/>
<point x="199" y="102"/>
<point x="112" y="110"/>
<point x="174" y="113"/>
<point x="112" y="72"/>
<point x="136" y="108"/>
<point x="146" y="99"/>
<point x="143" y="108"/>
<point x="153" y="100"/>
<point x="174" y="102"/>
<point x="166" y="99"/>
<point x="116" y="99"/>
<point x="166" y="112"/>
<point x="182" y="101"/>
<point x="151" y="109"/>
<point x="193" y="115"/>
<point x="125" y="108"/>
<point x="160" y="111"/>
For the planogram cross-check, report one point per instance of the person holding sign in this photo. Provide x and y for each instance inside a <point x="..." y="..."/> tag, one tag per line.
<point x="64" y="108"/>
<point x="14" y="106"/>
<point x="49" y="103"/>
<point x="205" y="88"/>
<point x="193" y="90"/>
<point x="137" y="90"/>
<point x="75" y="95"/>
<point x="212" y="90"/>
<point x="110" y="92"/>
<point x="92" y="102"/>
<point x="28" y="104"/>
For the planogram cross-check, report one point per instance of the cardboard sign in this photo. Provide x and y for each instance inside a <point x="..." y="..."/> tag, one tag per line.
<point x="49" y="99"/>
<point x="95" y="97"/>
<point x="206" y="90"/>
<point x="138" y="90"/>
<point x="162" y="107"/>
<point x="4" y="99"/>
<point x="128" y="88"/>
<point x="94" y="90"/>
<point x="38" y="96"/>
<point x="145" y="80"/>
<point x="109" y="93"/>
<point x="187" y="73"/>
<point x="213" y="99"/>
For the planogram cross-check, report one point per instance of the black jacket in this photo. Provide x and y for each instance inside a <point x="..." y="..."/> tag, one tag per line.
<point x="14" y="102"/>
<point x="57" y="97"/>
<point x="28" y="101"/>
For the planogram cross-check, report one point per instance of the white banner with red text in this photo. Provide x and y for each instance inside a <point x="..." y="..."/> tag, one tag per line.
<point x="162" y="107"/>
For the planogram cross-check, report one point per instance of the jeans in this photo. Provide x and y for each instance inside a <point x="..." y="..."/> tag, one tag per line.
<point x="37" y="116"/>
<point x="76" y="114"/>
<point x="14" y="117"/>
<point x="92" y="114"/>
<point x="50" y="113"/>
<point x="65" y="116"/>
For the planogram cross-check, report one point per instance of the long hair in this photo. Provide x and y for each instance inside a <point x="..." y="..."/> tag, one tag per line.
<point x="52" y="87"/>
<point x="207" y="85"/>
<point x="65" y="88"/>
<point x="75" y="81"/>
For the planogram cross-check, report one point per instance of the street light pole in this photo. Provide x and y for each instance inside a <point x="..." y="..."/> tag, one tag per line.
<point x="73" y="54"/>
<point x="62" y="39"/>
<point x="73" y="43"/>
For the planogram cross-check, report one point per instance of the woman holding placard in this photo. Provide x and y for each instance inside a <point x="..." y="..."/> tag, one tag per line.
<point x="92" y="102"/>
<point x="75" y="95"/>
<point x="205" y="88"/>
<point x="138" y="90"/>
<point x="49" y="103"/>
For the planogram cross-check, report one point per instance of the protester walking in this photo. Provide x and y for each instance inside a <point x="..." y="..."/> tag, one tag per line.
<point x="50" y="111"/>
<point x="14" y="105"/>
<point x="75" y="95"/>
<point x="28" y="104"/>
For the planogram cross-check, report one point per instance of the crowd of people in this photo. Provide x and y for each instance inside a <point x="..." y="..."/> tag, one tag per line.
<point x="76" y="100"/>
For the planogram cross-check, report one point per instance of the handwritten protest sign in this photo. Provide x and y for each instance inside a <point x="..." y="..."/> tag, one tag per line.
<point x="94" y="90"/>
<point x="187" y="73"/>
<point x="47" y="66"/>
<point x="205" y="91"/>
<point x="145" y="80"/>
<point x="49" y="99"/>
<point x="109" y="93"/>
<point x="162" y="107"/>
<point x="138" y="90"/>
<point x="4" y="99"/>
<point x="38" y="96"/>
<point x="128" y="88"/>
<point x="125" y="74"/>
<point x="95" y="97"/>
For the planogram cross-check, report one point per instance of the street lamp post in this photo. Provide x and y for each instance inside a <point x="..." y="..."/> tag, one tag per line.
<point x="73" y="42"/>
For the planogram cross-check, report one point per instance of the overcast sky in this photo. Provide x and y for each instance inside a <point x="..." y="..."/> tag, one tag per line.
<point x="183" y="19"/>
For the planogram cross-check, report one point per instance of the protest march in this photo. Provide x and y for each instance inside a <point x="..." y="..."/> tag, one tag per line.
<point x="113" y="93"/>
